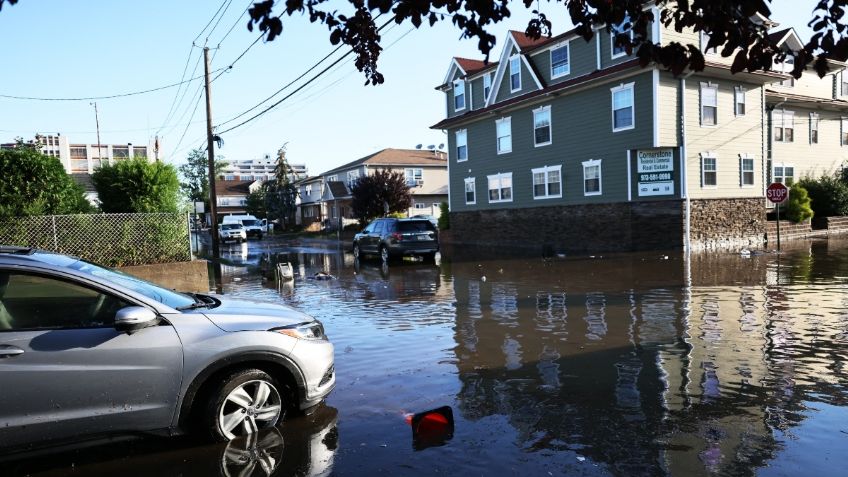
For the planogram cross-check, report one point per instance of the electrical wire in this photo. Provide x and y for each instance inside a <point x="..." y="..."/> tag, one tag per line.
<point x="209" y="22"/>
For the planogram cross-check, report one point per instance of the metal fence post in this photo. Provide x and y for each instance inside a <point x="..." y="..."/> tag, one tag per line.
<point x="55" y="238"/>
<point x="188" y="225"/>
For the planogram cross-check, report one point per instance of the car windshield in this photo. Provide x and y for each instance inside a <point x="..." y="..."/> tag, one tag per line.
<point x="230" y="227"/>
<point x="250" y="222"/>
<point x="415" y="226"/>
<point x="162" y="295"/>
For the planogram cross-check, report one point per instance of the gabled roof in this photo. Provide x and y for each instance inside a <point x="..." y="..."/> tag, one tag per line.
<point x="223" y="187"/>
<point x="511" y="42"/>
<point x="396" y="157"/>
<point x="469" y="66"/>
<point x="524" y="42"/>
<point x="336" y="190"/>
<point x="789" y="37"/>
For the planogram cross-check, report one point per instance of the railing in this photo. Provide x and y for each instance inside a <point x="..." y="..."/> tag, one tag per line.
<point x="108" y="239"/>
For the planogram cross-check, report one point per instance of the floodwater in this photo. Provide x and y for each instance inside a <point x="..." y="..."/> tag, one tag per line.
<point x="638" y="364"/>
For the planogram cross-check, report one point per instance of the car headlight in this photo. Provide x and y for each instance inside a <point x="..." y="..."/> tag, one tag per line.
<point x="312" y="330"/>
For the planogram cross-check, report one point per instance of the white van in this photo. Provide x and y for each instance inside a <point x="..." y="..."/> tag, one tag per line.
<point x="253" y="226"/>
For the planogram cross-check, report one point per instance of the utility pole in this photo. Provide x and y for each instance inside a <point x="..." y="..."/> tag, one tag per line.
<point x="97" y="123"/>
<point x="210" y="140"/>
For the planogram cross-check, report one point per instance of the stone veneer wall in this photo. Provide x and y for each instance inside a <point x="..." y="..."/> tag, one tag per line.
<point x="727" y="223"/>
<point x="617" y="227"/>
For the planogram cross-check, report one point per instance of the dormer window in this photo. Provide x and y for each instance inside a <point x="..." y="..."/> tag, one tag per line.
<point x="705" y="40"/>
<point x="487" y="85"/>
<point x="560" y="65"/>
<point x="623" y="31"/>
<point x="786" y="68"/>
<point x="458" y="95"/>
<point x="514" y="74"/>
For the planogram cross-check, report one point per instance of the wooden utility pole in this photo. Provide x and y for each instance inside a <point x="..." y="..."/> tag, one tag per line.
<point x="97" y="123"/>
<point x="210" y="147"/>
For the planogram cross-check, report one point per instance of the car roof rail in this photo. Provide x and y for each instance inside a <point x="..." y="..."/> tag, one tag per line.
<point x="14" y="250"/>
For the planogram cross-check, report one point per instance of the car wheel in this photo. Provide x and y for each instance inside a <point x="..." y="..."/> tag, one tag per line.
<point x="243" y="403"/>
<point x="429" y="257"/>
<point x="356" y="251"/>
<point x="384" y="254"/>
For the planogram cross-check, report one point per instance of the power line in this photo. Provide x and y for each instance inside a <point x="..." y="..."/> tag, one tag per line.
<point x="249" y="3"/>
<point x="209" y="22"/>
<point x="112" y="96"/>
<point x="228" y="68"/>
<point x="229" y="2"/>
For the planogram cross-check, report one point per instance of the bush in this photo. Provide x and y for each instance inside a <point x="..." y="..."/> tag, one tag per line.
<point x="829" y="195"/>
<point x="444" y="216"/>
<point x="397" y="215"/>
<point x="137" y="185"/>
<point x="32" y="183"/>
<point x="798" y="204"/>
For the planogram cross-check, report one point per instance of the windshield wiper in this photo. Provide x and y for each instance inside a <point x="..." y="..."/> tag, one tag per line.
<point x="198" y="303"/>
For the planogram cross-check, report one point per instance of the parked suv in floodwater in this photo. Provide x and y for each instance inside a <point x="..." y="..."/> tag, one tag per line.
<point x="393" y="238"/>
<point x="232" y="233"/>
<point x="86" y="350"/>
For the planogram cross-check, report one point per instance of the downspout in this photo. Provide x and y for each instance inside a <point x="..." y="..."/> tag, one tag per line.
<point x="684" y="180"/>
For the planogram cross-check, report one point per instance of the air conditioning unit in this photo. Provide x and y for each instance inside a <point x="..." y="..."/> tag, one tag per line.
<point x="419" y="182"/>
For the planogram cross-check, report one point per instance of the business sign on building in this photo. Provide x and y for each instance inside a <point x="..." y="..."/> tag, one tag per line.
<point x="655" y="169"/>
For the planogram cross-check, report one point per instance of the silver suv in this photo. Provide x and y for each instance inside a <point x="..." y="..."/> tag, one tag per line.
<point x="88" y="350"/>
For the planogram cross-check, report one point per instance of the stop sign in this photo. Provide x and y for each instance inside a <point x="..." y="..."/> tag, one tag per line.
<point x="777" y="192"/>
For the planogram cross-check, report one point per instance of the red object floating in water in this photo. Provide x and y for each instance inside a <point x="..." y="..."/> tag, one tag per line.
<point x="431" y="428"/>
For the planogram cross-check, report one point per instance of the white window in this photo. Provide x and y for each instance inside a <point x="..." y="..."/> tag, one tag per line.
<point x="622" y="31"/>
<point x="705" y="40"/>
<point x="844" y="135"/>
<point x="461" y="145"/>
<point x="515" y="74"/>
<point x="592" y="177"/>
<point x="504" y="132"/>
<point x="709" y="168"/>
<point x="746" y="170"/>
<point x="419" y="205"/>
<point x="709" y="104"/>
<point x="784" y="174"/>
<point x="560" y="64"/>
<point x="814" y="128"/>
<point x="230" y="177"/>
<point x="458" y="95"/>
<point x="470" y="191"/>
<point x="622" y="107"/>
<point x="542" y="126"/>
<point x="739" y="101"/>
<point x="784" y="125"/>
<point x="352" y="177"/>
<point x="786" y="68"/>
<point x="547" y="182"/>
<point x="414" y="176"/>
<point x="309" y="190"/>
<point x="843" y="84"/>
<point x="487" y="85"/>
<point x="500" y="187"/>
<point x="333" y="178"/>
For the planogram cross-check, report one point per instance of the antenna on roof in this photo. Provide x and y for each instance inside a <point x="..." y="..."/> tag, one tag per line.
<point x="441" y="146"/>
<point x="419" y="146"/>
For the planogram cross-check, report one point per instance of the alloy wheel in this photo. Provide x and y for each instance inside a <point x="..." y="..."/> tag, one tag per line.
<point x="252" y="406"/>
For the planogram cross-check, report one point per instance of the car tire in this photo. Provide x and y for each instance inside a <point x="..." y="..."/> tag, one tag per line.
<point x="429" y="257"/>
<point x="242" y="403"/>
<point x="356" y="251"/>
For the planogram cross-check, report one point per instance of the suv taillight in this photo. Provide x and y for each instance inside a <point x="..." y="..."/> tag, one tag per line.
<point x="397" y="236"/>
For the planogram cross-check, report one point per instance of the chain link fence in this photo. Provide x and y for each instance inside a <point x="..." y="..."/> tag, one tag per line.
<point x="108" y="239"/>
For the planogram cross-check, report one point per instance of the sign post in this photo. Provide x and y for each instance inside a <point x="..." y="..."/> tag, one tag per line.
<point x="777" y="193"/>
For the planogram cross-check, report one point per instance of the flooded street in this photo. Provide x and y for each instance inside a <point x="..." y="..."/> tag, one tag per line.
<point x="638" y="364"/>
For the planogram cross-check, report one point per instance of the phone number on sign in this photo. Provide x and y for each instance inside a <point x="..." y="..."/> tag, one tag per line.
<point x="665" y="176"/>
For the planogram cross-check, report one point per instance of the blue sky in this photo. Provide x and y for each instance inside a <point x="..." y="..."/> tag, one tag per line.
<point x="75" y="48"/>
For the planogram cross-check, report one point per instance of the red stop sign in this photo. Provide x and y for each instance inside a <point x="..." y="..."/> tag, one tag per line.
<point x="777" y="192"/>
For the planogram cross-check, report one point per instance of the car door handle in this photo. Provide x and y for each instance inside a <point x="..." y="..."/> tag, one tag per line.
<point x="7" y="351"/>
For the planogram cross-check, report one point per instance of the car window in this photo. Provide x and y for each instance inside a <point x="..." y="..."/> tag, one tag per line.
<point x="33" y="302"/>
<point x="370" y="228"/>
<point x="230" y="226"/>
<point x="379" y="226"/>
<point x="250" y="222"/>
<point x="415" y="226"/>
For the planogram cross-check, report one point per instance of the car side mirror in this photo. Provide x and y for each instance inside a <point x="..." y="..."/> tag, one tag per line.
<point x="134" y="318"/>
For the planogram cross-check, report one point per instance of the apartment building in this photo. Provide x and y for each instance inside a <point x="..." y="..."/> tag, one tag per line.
<point x="599" y="153"/>
<point x="259" y="169"/>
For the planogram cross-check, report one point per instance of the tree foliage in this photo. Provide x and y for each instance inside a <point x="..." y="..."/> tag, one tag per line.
<point x="255" y="203"/>
<point x="281" y="193"/>
<point x="829" y="195"/>
<point x="444" y="216"/>
<point x="798" y="204"/>
<point x="734" y="26"/>
<point x="137" y="185"/>
<point x="373" y="193"/>
<point x="32" y="183"/>
<point x="195" y="173"/>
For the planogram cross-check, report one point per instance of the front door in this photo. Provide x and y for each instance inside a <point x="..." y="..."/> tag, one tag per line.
<point x="64" y="369"/>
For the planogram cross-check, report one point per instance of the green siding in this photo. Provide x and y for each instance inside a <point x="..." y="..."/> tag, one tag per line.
<point x="582" y="58"/>
<point x="477" y="99"/>
<point x="449" y="95"/>
<point x="581" y="130"/>
<point x="527" y="83"/>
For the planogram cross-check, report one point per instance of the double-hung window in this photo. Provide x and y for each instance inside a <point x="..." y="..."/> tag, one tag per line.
<point x="487" y="85"/>
<point x="352" y="177"/>
<point x="620" y="33"/>
<point x="500" y="187"/>
<point x="503" y="127"/>
<point x="746" y="170"/>
<point x="786" y="68"/>
<point x="622" y="107"/>
<point x="308" y="190"/>
<point x="709" y="170"/>
<point x="784" y="174"/>
<point x="560" y="64"/>
<point x="514" y="74"/>
<point x="542" y="126"/>
<point x="592" y="177"/>
<point x="470" y="191"/>
<point x="784" y="125"/>
<point x="705" y="40"/>
<point x="461" y="145"/>
<point x="414" y="176"/>
<point x="458" y="95"/>
<point x="709" y="104"/>
<point x="739" y="101"/>
<point x="844" y="134"/>
<point x="547" y="182"/>
<point x="814" y="128"/>
<point x="843" y="84"/>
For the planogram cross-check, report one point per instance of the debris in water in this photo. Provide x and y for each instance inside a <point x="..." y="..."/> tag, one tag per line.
<point x="581" y="458"/>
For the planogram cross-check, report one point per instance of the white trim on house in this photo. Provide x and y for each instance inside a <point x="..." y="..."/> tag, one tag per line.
<point x="488" y="76"/>
<point x="714" y="87"/>
<point x="455" y="96"/>
<point x="783" y="115"/>
<point x="500" y="178"/>
<point x="711" y="156"/>
<point x="614" y="31"/>
<point x="618" y="89"/>
<point x="502" y="66"/>
<point x="543" y="109"/>
<point x="782" y="176"/>
<point x="656" y="29"/>
<point x="815" y="118"/>
<point x="508" y="121"/>
<point x="742" y="159"/>
<point x="564" y="44"/>
<point x="454" y="65"/>
<point x="586" y="165"/>
<point x="532" y="73"/>
<point x="739" y="93"/>
<point x="515" y="60"/>
<point x="655" y="86"/>
<point x="597" y="49"/>
<point x="464" y="134"/>
<point x="546" y="173"/>
<point x="473" y="182"/>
